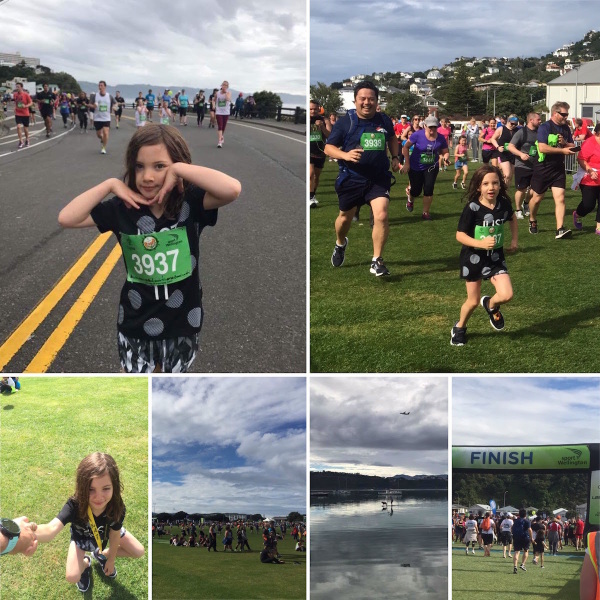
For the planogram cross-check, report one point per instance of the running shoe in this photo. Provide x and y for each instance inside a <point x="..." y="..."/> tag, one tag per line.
<point x="103" y="150"/>
<point x="219" y="145"/>
<point x="426" y="216"/>
<point x="410" y="205"/>
<point x="577" y="220"/>
<point x="562" y="233"/>
<point x="117" y="126"/>
<point x="526" y="209"/>
<point x="474" y="160"/>
<point x="533" y="227"/>
<point x="462" y="185"/>
<point x="339" y="253"/>
<point x="454" y="185"/>
<point x="522" y="567"/>
<point x="597" y="232"/>
<point x="26" y="143"/>
<point x="378" y="268"/>
<point x="101" y="559"/>
<point x="313" y="202"/>
<point x="467" y="551"/>
<point x="458" y="335"/>
<point x="535" y="561"/>
<point x="515" y="570"/>
<point x="20" y="145"/>
<point x="542" y="566"/>
<point x="47" y="134"/>
<point x="83" y="584"/>
<point x="496" y="318"/>
<point x="519" y="214"/>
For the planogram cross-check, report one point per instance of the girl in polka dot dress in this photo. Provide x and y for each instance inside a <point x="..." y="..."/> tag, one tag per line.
<point x="157" y="213"/>
<point x="481" y="232"/>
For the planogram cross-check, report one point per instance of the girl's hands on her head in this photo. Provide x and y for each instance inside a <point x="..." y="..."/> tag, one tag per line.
<point x="171" y="180"/>
<point x="127" y="195"/>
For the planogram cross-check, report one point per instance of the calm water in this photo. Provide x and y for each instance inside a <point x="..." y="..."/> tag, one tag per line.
<point x="357" y="549"/>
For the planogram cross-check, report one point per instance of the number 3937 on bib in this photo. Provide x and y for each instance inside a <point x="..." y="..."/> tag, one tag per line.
<point x="157" y="258"/>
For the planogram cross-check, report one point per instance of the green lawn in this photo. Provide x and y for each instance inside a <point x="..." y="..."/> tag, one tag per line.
<point x="401" y="323"/>
<point x="475" y="576"/>
<point x="180" y="572"/>
<point x="45" y="431"/>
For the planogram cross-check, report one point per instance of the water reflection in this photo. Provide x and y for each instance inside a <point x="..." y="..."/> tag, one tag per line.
<point x="358" y="550"/>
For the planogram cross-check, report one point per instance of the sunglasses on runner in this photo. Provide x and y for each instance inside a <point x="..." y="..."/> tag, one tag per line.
<point x="563" y="114"/>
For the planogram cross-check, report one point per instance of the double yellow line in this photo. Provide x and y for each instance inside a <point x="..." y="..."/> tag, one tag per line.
<point x="47" y="353"/>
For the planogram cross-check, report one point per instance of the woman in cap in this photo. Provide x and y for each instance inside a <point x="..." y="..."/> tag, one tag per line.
<point x="422" y="164"/>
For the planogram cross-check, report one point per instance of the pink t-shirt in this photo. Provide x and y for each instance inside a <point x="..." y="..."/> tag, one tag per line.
<point x="590" y="152"/>
<point x="445" y="131"/>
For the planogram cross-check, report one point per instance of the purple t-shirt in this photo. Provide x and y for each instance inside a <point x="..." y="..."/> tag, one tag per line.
<point x="425" y="153"/>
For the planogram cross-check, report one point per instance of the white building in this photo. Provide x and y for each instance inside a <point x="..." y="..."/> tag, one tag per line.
<point x="580" y="88"/>
<point x="10" y="60"/>
<point x="434" y="74"/>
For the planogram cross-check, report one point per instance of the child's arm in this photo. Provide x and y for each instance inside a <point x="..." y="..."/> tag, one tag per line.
<point x="114" y="541"/>
<point x="484" y="244"/>
<point x="77" y="212"/>
<point x="220" y="188"/>
<point x="48" y="531"/>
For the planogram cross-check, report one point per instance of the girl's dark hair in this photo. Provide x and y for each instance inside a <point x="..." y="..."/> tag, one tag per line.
<point x="152" y="135"/>
<point x="98" y="464"/>
<point x="473" y="192"/>
<point x="597" y="129"/>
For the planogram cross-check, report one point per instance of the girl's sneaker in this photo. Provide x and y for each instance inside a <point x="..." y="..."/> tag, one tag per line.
<point x="458" y="335"/>
<point x="577" y="220"/>
<point x="462" y="185"/>
<point x="84" y="583"/>
<point x="102" y="561"/>
<point x="597" y="232"/>
<point x="454" y="185"/>
<point x="496" y="318"/>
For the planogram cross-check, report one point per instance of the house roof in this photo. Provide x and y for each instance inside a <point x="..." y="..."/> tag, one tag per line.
<point x="589" y="72"/>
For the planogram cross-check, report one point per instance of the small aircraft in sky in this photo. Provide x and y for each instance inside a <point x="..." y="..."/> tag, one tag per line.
<point x="405" y="413"/>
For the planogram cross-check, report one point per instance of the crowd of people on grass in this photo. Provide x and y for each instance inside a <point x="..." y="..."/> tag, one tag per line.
<point x="192" y="535"/>
<point x="517" y="533"/>
<point x="373" y="150"/>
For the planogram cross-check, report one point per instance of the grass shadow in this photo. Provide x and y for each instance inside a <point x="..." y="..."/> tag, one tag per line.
<point x="8" y="407"/>
<point x="560" y="326"/>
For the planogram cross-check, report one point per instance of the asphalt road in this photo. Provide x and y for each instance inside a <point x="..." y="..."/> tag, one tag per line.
<point x="253" y="263"/>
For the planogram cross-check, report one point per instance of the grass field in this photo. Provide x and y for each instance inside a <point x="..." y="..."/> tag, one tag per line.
<point x="180" y="572"/>
<point x="474" y="576"/>
<point x="401" y="323"/>
<point x="45" y="431"/>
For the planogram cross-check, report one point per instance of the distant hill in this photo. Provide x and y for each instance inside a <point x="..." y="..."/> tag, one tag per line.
<point x="332" y="480"/>
<point x="130" y="91"/>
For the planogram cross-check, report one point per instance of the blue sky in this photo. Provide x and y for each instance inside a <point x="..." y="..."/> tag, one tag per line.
<point x="351" y="37"/>
<point x="525" y="410"/>
<point x="356" y="426"/>
<point x="231" y="444"/>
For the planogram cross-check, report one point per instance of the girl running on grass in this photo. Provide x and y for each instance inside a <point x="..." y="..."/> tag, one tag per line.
<point x="96" y="513"/>
<point x="157" y="213"/>
<point x="461" y="160"/>
<point x="481" y="232"/>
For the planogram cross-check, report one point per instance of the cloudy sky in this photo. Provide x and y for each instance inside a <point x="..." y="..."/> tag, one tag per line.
<point x="254" y="44"/>
<point x="350" y="37"/>
<point x="234" y="444"/>
<point x="356" y="426"/>
<point x="525" y="410"/>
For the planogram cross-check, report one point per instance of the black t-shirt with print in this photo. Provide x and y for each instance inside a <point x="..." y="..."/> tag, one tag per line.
<point x="476" y="263"/>
<point x="162" y="311"/>
<point x="81" y="531"/>
<point x="46" y="99"/>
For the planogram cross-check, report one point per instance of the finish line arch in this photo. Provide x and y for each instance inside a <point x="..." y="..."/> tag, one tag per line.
<point x="574" y="458"/>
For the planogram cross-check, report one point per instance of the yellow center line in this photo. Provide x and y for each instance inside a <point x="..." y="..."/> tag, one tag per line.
<point x="44" y="358"/>
<point x="22" y="333"/>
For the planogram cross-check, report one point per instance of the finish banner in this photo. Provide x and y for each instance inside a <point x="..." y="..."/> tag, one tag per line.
<point x="520" y="458"/>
